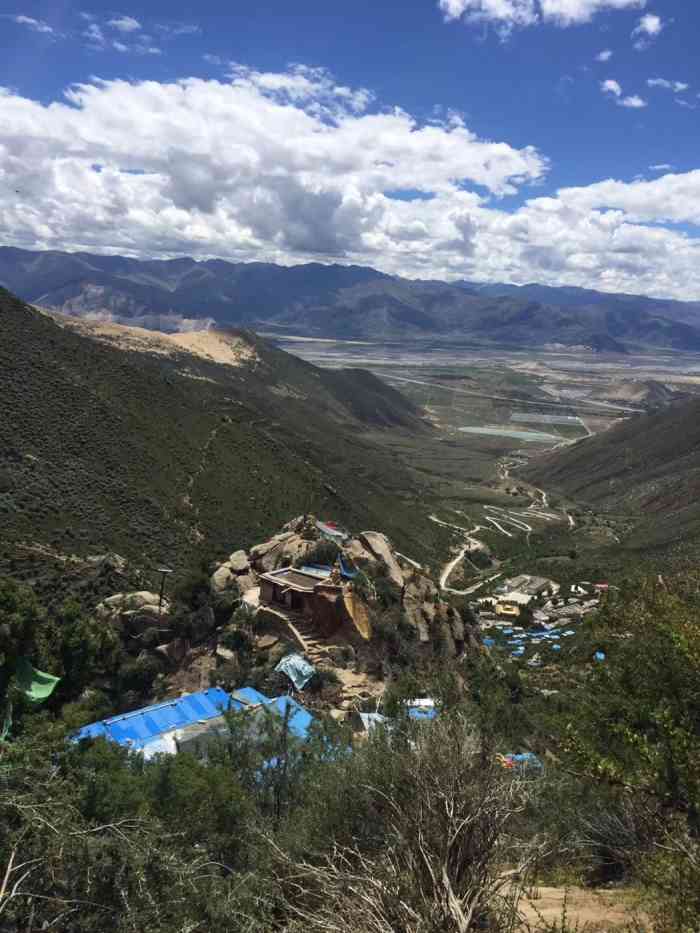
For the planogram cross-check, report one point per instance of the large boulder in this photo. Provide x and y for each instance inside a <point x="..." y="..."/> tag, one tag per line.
<point x="129" y="602"/>
<point x="280" y="551"/>
<point x="247" y="581"/>
<point x="260" y="550"/>
<point x="140" y="609"/>
<point x="379" y="545"/>
<point x="356" y="551"/>
<point x="238" y="562"/>
<point x="222" y="580"/>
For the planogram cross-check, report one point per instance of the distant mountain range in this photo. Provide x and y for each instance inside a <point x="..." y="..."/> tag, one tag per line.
<point x="344" y="302"/>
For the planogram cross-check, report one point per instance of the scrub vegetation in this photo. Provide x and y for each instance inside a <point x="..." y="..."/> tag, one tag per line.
<point x="415" y="828"/>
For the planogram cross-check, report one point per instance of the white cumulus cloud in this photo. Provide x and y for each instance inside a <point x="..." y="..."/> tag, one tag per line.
<point x="614" y="88"/>
<point x="604" y="56"/>
<point x="634" y="102"/>
<point x="125" y="24"/>
<point x="647" y="29"/>
<point x="611" y="87"/>
<point x="36" y="25"/>
<point x="507" y="15"/>
<point x="293" y="166"/>
<point x="677" y="86"/>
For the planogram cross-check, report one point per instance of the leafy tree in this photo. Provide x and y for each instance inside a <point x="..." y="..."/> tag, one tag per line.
<point x="637" y="730"/>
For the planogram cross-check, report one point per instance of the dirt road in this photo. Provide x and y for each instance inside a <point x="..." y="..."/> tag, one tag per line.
<point x="518" y="519"/>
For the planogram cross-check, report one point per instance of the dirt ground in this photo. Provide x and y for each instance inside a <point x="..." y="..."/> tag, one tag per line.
<point x="587" y="911"/>
<point x="215" y="345"/>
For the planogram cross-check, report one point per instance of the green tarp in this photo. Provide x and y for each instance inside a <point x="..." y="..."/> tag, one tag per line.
<point x="35" y="685"/>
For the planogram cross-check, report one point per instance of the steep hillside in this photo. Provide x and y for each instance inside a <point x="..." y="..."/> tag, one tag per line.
<point x="648" y="467"/>
<point x="345" y="302"/>
<point x="151" y="447"/>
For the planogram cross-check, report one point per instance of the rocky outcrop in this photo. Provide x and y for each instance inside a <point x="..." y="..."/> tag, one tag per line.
<point x="223" y="580"/>
<point x="238" y="562"/>
<point x="435" y="620"/>
<point x="357" y="552"/>
<point x="281" y="551"/>
<point x="235" y="577"/>
<point x="379" y="546"/>
<point x="141" y="608"/>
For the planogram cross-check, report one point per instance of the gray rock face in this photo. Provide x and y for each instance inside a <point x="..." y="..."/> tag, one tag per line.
<point x="379" y="545"/>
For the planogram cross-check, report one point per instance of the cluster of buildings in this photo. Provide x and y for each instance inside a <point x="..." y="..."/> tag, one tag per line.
<point x="549" y="623"/>
<point x="191" y="722"/>
<point x="544" y="597"/>
<point x="511" y="596"/>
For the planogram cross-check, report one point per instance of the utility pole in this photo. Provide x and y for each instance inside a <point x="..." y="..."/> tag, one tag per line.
<point x="163" y="571"/>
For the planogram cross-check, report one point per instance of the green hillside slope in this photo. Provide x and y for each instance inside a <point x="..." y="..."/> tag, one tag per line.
<point x="174" y="457"/>
<point x="647" y="467"/>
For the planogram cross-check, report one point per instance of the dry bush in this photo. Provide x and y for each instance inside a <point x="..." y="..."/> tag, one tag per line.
<point x="448" y="816"/>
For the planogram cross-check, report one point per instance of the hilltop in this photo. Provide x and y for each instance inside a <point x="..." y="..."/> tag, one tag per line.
<point x="342" y="302"/>
<point x="164" y="448"/>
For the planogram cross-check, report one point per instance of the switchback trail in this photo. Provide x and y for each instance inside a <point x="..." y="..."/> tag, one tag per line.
<point x="500" y="517"/>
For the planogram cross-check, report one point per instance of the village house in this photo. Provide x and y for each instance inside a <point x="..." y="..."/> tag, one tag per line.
<point x="321" y="595"/>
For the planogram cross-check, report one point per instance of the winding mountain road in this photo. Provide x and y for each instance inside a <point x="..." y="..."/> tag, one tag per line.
<point x="518" y="519"/>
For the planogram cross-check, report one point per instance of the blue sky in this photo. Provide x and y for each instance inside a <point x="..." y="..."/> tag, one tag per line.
<point x="550" y="140"/>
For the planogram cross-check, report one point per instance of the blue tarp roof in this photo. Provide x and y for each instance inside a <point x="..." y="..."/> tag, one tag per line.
<point x="297" y="668"/>
<point x="419" y="712"/>
<point x="138" y="728"/>
<point x="299" y="719"/>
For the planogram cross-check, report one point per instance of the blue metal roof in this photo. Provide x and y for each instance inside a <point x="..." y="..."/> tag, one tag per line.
<point x="143" y="726"/>
<point x="137" y="728"/>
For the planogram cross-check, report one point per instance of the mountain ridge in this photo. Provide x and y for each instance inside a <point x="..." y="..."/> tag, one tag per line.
<point x="342" y="302"/>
